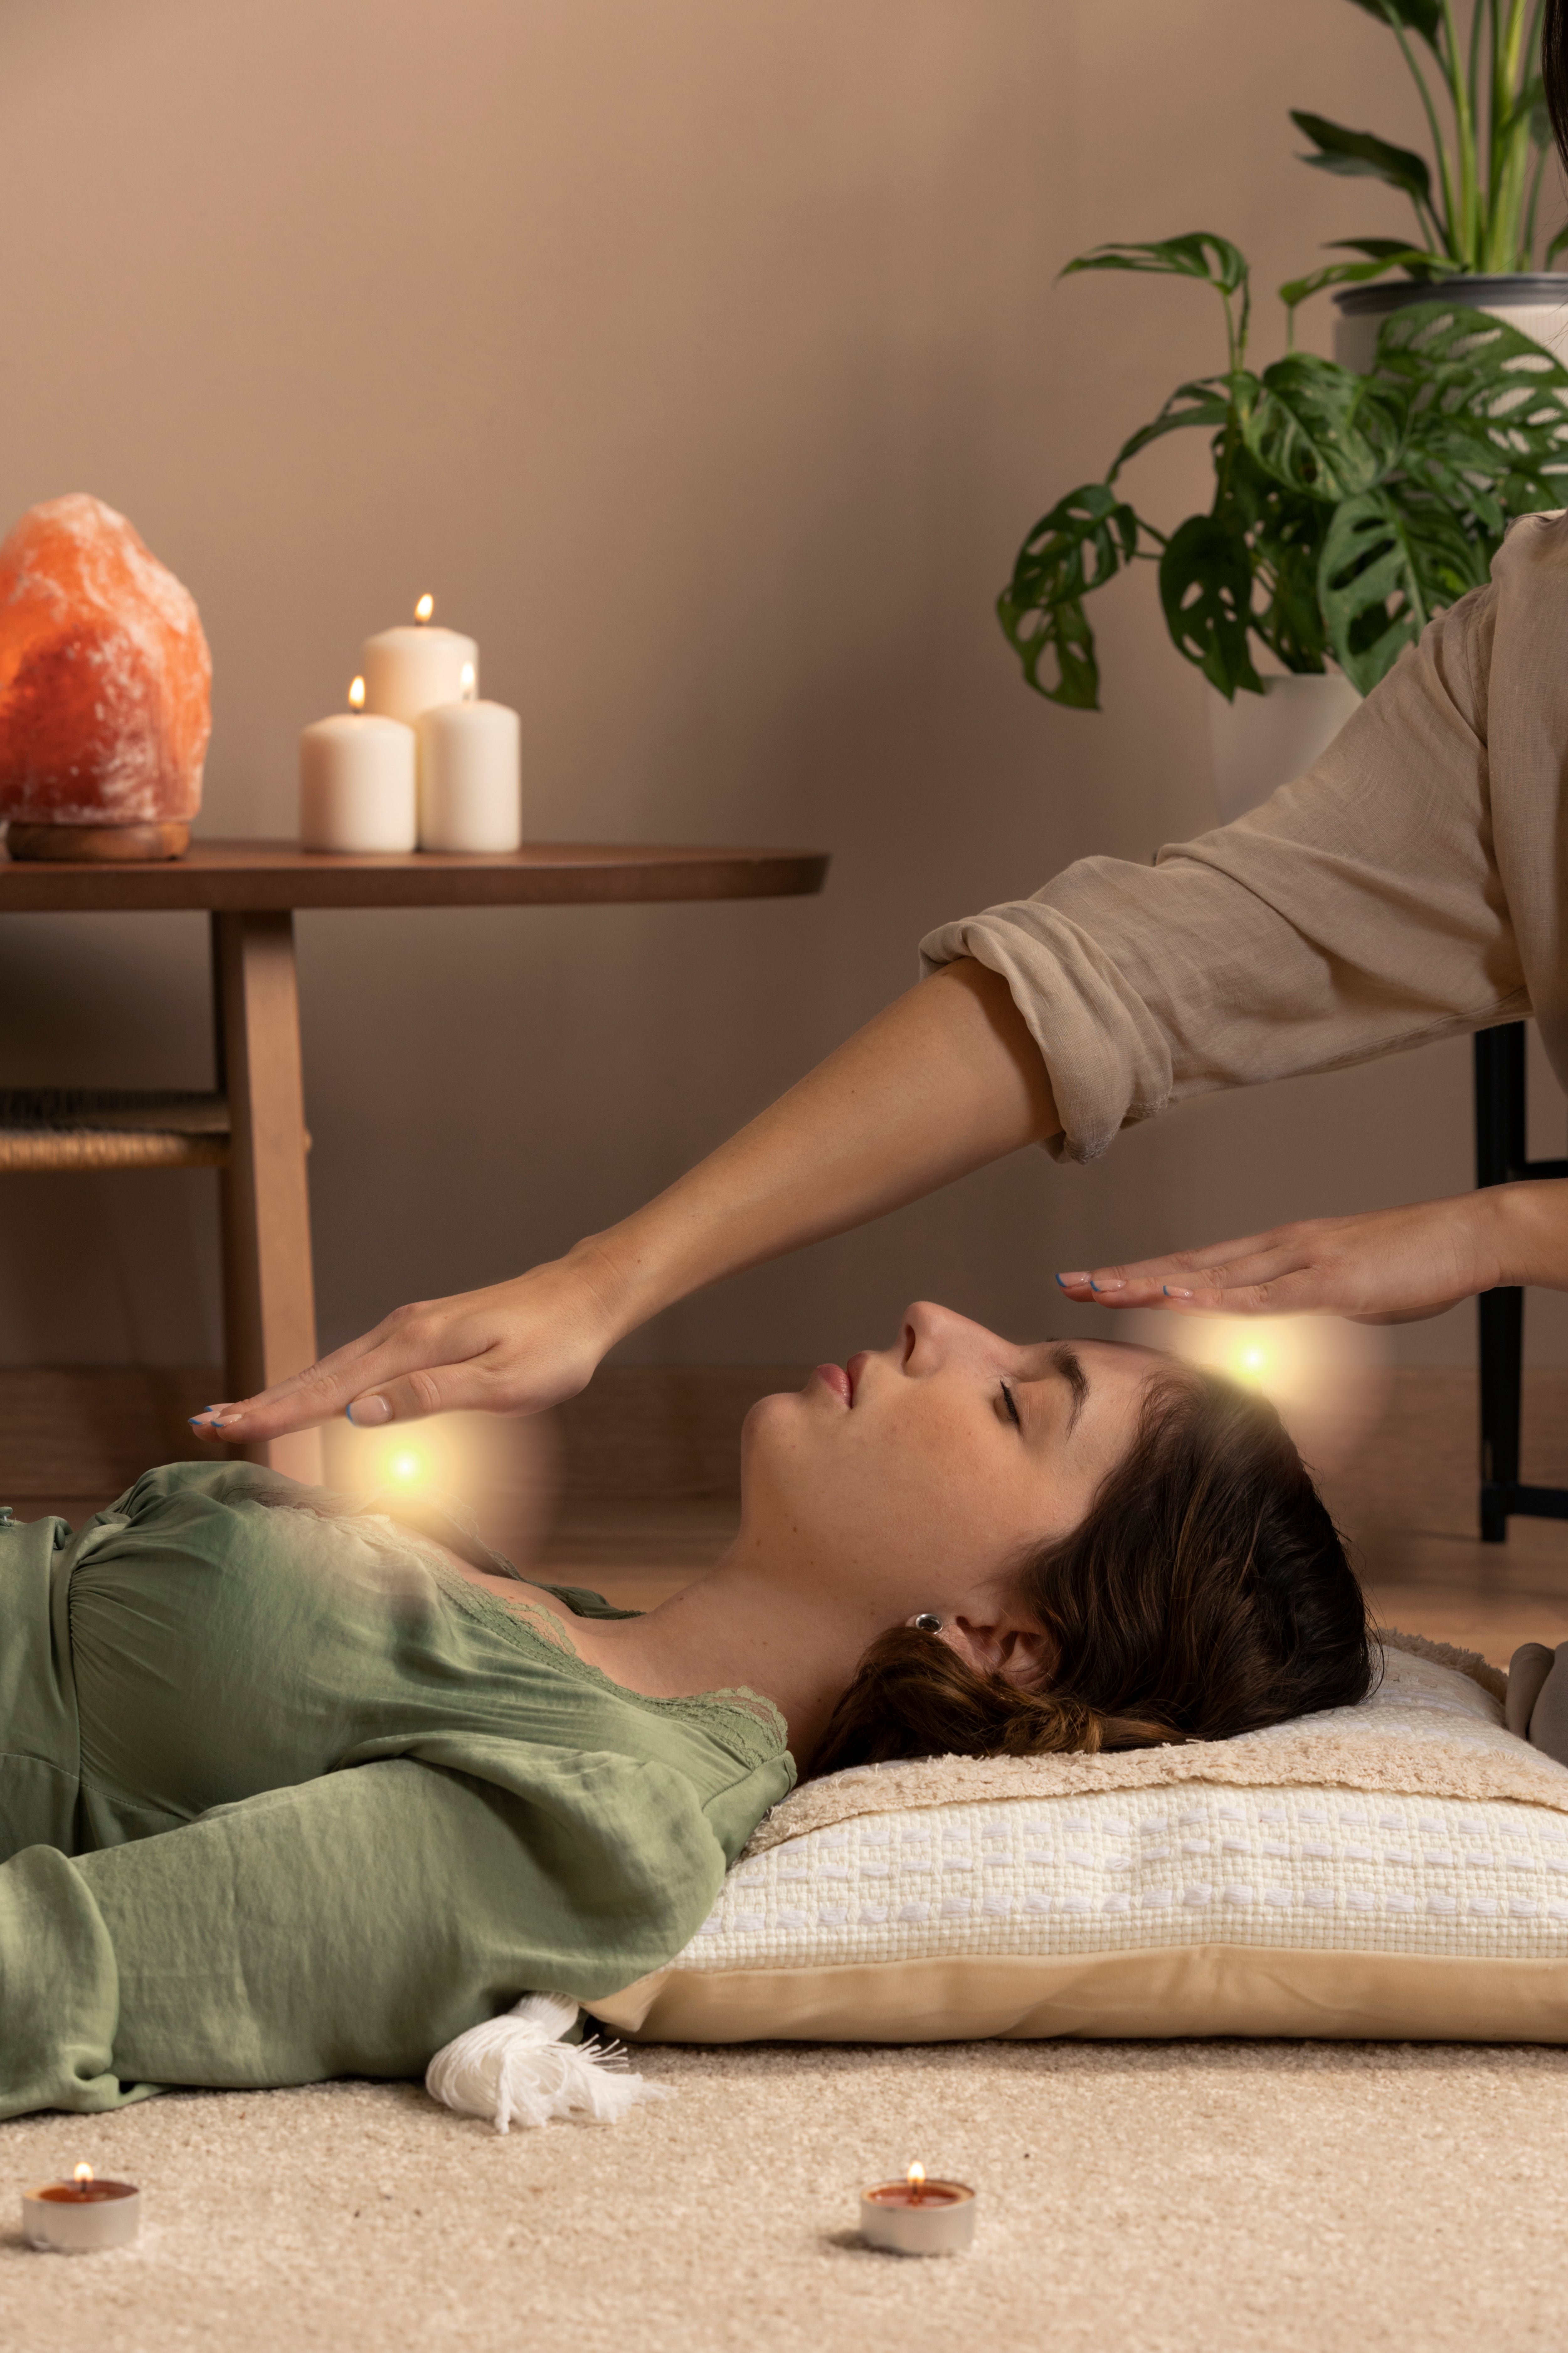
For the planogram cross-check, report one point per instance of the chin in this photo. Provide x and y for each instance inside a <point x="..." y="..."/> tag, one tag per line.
<point x="767" y="1425"/>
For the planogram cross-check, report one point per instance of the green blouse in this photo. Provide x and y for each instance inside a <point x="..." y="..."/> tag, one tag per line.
<point x="284" y="1796"/>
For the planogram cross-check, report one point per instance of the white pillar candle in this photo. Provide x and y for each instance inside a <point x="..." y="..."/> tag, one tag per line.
<point x="408" y="670"/>
<point x="470" y="778"/>
<point x="357" y="781"/>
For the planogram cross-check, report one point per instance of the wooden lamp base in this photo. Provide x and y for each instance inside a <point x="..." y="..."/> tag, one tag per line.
<point x="98" y="845"/>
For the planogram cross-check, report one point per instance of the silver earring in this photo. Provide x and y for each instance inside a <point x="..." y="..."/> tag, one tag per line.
<point x="928" y="1623"/>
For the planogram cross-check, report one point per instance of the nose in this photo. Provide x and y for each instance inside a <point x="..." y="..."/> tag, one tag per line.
<point x="934" y="1336"/>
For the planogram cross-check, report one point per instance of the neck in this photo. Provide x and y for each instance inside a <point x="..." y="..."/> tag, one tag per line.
<point x="745" y="1622"/>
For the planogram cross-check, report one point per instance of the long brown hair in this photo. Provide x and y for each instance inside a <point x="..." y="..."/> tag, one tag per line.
<point x="1205" y="1592"/>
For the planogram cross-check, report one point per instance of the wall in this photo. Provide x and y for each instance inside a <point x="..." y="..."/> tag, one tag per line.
<point x="705" y="360"/>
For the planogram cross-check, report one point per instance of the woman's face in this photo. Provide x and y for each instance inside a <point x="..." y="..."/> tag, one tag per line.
<point x="922" y="1474"/>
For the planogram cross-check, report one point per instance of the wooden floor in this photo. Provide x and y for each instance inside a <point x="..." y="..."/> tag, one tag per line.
<point x="1424" y="1580"/>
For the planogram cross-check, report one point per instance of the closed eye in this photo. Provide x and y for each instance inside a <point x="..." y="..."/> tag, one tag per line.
<point x="1012" y="1405"/>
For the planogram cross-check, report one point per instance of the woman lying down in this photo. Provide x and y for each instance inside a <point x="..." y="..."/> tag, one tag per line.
<point x="288" y="1792"/>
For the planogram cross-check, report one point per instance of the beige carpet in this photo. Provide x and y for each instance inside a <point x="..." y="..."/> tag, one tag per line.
<point x="1176" y="2198"/>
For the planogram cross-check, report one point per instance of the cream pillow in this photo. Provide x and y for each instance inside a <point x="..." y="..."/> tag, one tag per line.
<point x="1398" y="1869"/>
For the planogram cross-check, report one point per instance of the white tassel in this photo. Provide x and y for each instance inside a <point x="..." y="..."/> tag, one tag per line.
<point x="515" y="2067"/>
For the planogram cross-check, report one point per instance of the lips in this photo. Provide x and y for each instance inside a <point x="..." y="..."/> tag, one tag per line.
<point x="834" y="1377"/>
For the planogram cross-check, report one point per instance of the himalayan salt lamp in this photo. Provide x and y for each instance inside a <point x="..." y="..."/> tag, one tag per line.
<point x="105" y="689"/>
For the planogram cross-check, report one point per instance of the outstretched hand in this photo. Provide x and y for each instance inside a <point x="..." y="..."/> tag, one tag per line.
<point x="516" y="1347"/>
<point x="1386" y="1266"/>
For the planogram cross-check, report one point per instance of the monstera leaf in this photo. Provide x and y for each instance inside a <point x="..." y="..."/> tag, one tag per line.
<point x="1199" y="254"/>
<point x="1388" y="564"/>
<point x="1285" y="533"/>
<point x="1204" y="402"/>
<point x="1213" y="260"/>
<point x="1082" y="543"/>
<point x="1347" y="509"/>
<point x="1205" y="587"/>
<point x="1306" y="428"/>
<point x="1468" y="382"/>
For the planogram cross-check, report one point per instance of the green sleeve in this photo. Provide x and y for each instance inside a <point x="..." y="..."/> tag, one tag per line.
<point x="347" y="1927"/>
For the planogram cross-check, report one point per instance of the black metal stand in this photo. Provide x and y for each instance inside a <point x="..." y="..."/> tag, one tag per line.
<point x="1501" y="1159"/>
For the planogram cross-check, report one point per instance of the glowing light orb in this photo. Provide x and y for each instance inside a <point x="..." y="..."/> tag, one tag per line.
<point x="406" y="1466"/>
<point x="1328" y="1378"/>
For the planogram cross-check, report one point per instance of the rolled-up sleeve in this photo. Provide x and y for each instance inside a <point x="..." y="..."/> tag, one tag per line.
<point x="1358" y="912"/>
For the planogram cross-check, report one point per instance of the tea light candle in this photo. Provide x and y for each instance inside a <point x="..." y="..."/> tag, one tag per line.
<point x="357" y="789"/>
<point x="470" y="775"/>
<point x="76" y="2217"/>
<point x="406" y="670"/>
<point x="917" y="2217"/>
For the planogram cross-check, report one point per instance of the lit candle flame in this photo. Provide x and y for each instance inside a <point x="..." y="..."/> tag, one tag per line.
<point x="468" y="681"/>
<point x="917" y="2180"/>
<point x="82" y="2173"/>
<point x="423" y="610"/>
<point x="356" y="695"/>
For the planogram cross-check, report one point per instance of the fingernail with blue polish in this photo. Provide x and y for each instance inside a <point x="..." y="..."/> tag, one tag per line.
<point x="369" y="1413"/>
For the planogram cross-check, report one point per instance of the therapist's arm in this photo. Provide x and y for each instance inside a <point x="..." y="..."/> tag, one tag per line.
<point x="1385" y="1266"/>
<point x="944" y="1080"/>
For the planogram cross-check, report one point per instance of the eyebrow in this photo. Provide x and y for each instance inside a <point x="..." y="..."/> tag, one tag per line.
<point x="1070" y="1365"/>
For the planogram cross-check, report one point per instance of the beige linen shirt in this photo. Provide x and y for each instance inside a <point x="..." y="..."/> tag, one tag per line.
<point x="1411" y="885"/>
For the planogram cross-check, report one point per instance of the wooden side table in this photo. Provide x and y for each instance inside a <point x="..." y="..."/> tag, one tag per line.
<point x="251" y="1127"/>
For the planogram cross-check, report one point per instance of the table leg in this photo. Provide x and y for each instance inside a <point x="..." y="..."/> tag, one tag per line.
<point x="270" y="1307"/>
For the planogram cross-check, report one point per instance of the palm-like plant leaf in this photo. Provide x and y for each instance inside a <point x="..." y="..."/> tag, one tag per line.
<point x="1413" y="260"/>
<point x="1423" y="17"/>
<point x="1360" y="155"/>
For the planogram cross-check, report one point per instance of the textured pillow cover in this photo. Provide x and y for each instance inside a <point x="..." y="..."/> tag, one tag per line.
<point x="1395" y="1870"/>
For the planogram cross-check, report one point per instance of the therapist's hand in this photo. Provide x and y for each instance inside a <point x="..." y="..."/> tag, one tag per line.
<point x="943" y="1081"/>
<point x="1386" y="1266"/>
<point x="514" y="1347"/>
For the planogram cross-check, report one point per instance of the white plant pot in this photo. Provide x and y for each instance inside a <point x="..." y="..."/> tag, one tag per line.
<point x="1535" y="302"/>
<point x="1261" y="741"/>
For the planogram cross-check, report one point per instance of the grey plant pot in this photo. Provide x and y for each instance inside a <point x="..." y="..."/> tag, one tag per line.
<point x="1535" y="302"/>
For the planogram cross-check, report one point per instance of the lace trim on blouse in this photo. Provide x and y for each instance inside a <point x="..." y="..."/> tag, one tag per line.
<point x="526" y="1616"/>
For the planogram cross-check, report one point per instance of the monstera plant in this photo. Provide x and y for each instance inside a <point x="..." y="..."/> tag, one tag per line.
<point x="1347" y="509"/>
